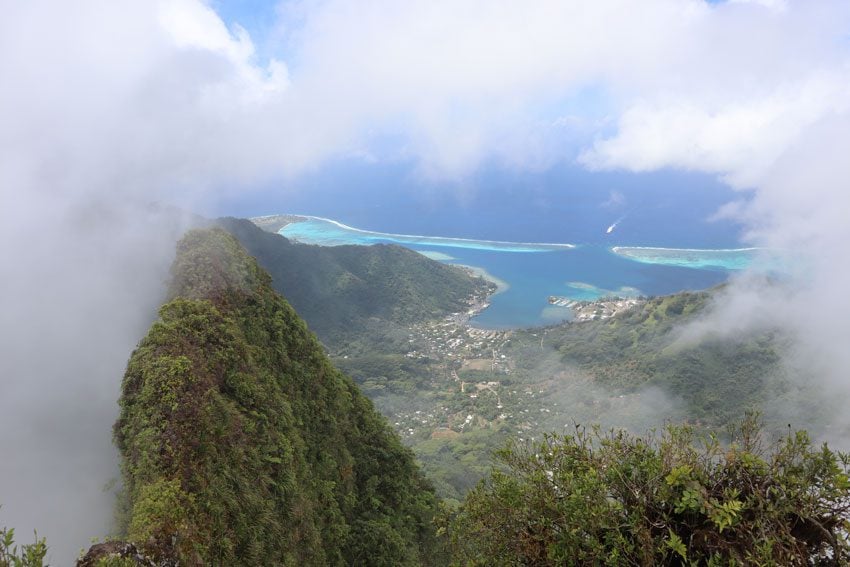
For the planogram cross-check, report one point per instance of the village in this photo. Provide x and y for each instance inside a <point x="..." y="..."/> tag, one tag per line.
<point x="599" y="309"/>
<point x="475" y="371"/>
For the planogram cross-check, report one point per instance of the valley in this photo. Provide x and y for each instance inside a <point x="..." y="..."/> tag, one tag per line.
<point x="456" y="393"/>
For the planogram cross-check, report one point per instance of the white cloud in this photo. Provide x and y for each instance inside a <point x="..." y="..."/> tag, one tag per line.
<point x="777" y="122"/>
<point x="104" y="108"/>
<point x="462" y="81"/>
<point x="739" y="139"/>
<point x="166" y="87"/>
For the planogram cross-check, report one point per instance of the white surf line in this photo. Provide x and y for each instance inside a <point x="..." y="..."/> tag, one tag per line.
<point x="621" y="249"/>
<point x="422" y="237"/>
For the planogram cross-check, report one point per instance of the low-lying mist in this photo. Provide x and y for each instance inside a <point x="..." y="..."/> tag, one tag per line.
<point x="800" y="213"/>
<point x="105" y="109"/>
<point x="82" y="283"/>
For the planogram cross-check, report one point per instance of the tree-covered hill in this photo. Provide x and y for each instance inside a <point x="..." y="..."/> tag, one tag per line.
<point x="242" y="445"/>
<point x="717" y="376"/>
<point x="454" y="406"/>
<point x="338" y="289"/>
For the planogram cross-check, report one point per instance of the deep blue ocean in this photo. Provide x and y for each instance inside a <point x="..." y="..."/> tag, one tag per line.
<point x="663" y="239"/>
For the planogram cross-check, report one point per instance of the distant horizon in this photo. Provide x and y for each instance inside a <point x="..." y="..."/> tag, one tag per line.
<point x="564" y="204"/>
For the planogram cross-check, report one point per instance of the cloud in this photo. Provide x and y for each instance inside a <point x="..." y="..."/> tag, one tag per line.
<point x="105" y="108"/>
<point x="689" y="84"/>
<point x="468" y="82"/>
<point x="616" y="200"/>
<point x="168" y="87"/>
<point x="81" y="284"/>
<point x="784" y="137"/>
<point x="739" y="139"/>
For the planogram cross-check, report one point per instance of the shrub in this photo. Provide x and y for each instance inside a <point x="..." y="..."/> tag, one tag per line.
<point x="31" y="555"/>
<point x="671" y="499"/>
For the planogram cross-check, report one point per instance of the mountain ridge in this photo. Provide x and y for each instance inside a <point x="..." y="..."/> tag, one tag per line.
<point x="242" y="444"/>
<point x="338" y="289"/>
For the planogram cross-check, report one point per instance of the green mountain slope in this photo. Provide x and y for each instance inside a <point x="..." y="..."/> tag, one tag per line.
<point x="717" y="377"/>
<point x="242" y="445"/>
<point x="455" y="404"/>
<point x="670" y="499"/>
<point x="338" y="289"/>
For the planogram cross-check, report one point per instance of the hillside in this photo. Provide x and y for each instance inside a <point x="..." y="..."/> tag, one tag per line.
<point x="455" y="404"/>
<point x="242" y="444"/>
<point x="337" y="290"/>
<point x="669" y="498"/>
<point x="717" y="378"/>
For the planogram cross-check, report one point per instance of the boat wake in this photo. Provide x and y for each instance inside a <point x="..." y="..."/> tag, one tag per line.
<point x="611" y="228"/>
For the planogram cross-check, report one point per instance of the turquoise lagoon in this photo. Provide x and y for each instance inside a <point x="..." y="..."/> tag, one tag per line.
<point x="530" y="272"/>
<point x="328" y="232"/>
<point x="732" y="259"/>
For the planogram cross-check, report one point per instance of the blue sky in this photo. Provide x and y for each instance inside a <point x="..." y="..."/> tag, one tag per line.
<point x="261" y="18"/>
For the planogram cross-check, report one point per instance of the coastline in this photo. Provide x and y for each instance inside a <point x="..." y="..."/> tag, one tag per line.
<point x="729" y="259"/>
<point x="501" y="285"/>
<point x="706" y="267"/>
<point x="437" y="256"/>
<point x="624" y="250"/>
<point x="446" y="241"/>
<point x="275" y="223"/>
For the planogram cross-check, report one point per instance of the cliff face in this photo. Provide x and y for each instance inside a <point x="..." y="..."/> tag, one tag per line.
<point x="242" y="445"/>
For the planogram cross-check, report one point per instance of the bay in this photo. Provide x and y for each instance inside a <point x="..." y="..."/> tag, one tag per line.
<point x="660" y="223"/>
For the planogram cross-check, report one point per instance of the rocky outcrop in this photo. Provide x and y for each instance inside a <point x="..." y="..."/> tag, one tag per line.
<point x="107" y="552"/>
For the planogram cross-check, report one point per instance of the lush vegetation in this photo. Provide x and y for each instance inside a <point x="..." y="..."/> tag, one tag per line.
<point x="338" y="289"/>
<point x="242" y="444"/>
<point x="28" y="555"/>
<point x="718" y="378"/>
<point x="631" y="370"/>
<point x="363" y="300"/>
<point x="615" y="499"/>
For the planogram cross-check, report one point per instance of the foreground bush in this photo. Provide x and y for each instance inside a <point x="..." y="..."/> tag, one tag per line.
<point x="29" y="555"/>
<point x="674" y="499"/>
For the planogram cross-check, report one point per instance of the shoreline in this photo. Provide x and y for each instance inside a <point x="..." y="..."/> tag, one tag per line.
<point x="275" y="223"/>
<point x="622" y="250"/>
<point x="501" y="285"/>
<point x="393" y="236"/>
<point x="577" y="297"/>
